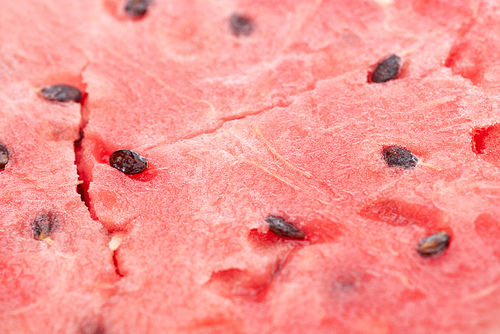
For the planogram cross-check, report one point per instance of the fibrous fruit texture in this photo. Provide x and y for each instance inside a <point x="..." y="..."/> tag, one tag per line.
<point x="192" y="166"/>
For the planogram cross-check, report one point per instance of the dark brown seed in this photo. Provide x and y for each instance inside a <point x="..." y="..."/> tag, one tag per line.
<point x="128" y="162"/>
<point x="434" y="244"/>
<point x="136" y="8"/>
<point x="4" y="156"/>
<point x="92" y="328"/>
<point x="61" y="93"/>
<point x="387" y="69"/>
<point x="44" y="224"/>
<point x="397" y="156"/>
<point x="241" y="25"/>
<point x="280" y="227"/>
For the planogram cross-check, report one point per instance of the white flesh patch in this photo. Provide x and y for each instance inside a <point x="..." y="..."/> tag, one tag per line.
<point x="115" y="242"/>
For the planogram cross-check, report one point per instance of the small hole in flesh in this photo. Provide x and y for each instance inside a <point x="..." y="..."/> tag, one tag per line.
<point x="486" y="143"/>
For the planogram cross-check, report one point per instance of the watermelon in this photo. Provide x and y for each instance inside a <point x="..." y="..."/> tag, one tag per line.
<point x="249" y="166"/>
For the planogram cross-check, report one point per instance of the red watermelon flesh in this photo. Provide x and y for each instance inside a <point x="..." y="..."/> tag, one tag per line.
<point x="57" y="284"/>
<point x="192" y="249"/>
<point x="360" y="216"/>
<point x="199" y="75"/>
<point x="61" y="287"/>
<point x="476" y="55"/>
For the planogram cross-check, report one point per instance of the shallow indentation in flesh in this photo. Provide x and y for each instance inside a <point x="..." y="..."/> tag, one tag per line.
<point x="101" y="151"/>
<point x="488" y="229"/>
<point x="235" y="282"/>
<point x="262" y="240"/>
<point x="400" y="213"/>
<point x="486" y="143"/>
<point x="465" y="62"/>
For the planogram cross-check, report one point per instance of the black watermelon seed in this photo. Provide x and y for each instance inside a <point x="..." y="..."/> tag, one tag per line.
<point x="136" y="8"/>
<point x="434" y="244"/>
<point x="387" y="69"/>
<point x="4" y="156"/>
<point x="128" y="162"/>
<point x="44" y="224"/>
<point x="397" y="156"/>
<point x="92" y="328"/>
<point x="241" y="25"/>
<point x="61" y="93"/>
<point x="280" y="227"/>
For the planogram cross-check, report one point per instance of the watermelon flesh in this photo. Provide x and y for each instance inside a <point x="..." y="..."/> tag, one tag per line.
<point x="235" y="129"/>
<point x="237" y="259"/>
<point x="60" y="283"/>
<point x="57" y="284"/>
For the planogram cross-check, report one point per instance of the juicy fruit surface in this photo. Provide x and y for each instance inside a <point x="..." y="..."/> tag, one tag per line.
<point x="278" y="121"/>
<point x="56" y="271"/>
<point x="220" y="251"/>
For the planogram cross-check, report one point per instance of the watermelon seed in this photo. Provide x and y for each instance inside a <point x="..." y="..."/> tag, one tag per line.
<point x="280" y="227"/>
<point x="128" y="162"/>
<point x="241" y="25"/>
<point x="93" y="328"/>
<point x="136" y="8"/>
<point x="61" y="93"/>
<point x="346" y="283"/>
<point x="4" y="156"/>
<point x="387" y="69"/>
<point x="434" y="244"/>
<point x="43" y="226"/>
<point x="397" y="156"/>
